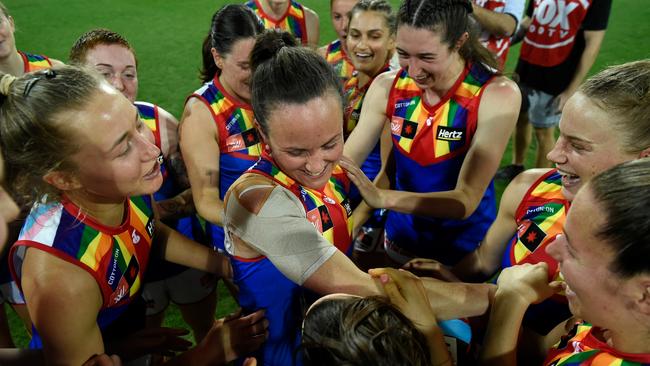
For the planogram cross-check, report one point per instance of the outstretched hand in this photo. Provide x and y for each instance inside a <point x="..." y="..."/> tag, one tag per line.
<point x="234" y="336"/>
<point x="406" y="292"/>
<point x="373" y="196"/>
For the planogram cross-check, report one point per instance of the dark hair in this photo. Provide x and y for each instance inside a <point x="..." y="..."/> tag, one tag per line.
<point x="92" y="39"/>
<point x="361" y="331"/>
<point x="380" y="6"/>
<point x="623" y="91"/>
<point x="624" y="194"/>
<point x="229" y="24"/>
<point x="285" y="73"/>
<point x="450" y="19"/>
<point x="34" y="131"/>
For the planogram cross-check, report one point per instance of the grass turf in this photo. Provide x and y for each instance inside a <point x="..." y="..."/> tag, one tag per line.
<point x="167" y="36"/>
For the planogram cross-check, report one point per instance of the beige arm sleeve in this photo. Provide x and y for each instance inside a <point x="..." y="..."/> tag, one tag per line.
<point x="280" y="232"/>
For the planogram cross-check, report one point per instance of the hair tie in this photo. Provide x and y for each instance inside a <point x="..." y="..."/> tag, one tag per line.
<point x="5" y="83"/>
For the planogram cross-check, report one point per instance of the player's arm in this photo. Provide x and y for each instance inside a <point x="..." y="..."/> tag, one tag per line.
<point x="200" y="148"/>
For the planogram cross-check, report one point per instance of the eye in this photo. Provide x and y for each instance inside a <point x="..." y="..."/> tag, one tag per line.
<point x="126" y="150"/>
<point x="296" y="153"/>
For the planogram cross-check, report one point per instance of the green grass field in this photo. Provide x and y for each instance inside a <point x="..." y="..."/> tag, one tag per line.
<point x="168" y="34"/>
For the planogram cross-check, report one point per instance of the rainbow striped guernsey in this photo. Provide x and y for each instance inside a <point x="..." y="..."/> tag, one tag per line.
<point x="116" y="257"/>
<point x="327" y="209"/>
<point x="429" y="145"/>
<point x="540" y="218"/>
<point x="293" y="20"/>
<point x="581" y="348"/>
<point x="239" y="145"/>
<point x="34" y="62"/>
<point x="336" y="56"/>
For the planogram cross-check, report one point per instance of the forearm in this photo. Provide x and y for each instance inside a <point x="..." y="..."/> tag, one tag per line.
<point x="471" y="268"/>
<point x="500" y="347"/>
<point x="454" y="204"/>
<point x="178" y="206"/>
<point x="453" y="300"/>
<point x="209" y="206"/>
<point x="181" y="250"/>
<point x="497" y="24"/>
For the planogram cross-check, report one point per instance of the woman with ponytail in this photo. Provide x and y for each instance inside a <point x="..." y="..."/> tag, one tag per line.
<point x="287" y="218"/>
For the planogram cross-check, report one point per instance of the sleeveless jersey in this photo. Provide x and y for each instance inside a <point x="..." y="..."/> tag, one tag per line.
<point x="239" y="144"/>
<point x="354" y="96"/>
<point x="581" y="348"/>
<point x="336" y="56"/>
<point x="263" y="286"/>
<point x="116" y="257"/>
<point x="552" y="32"/>
<point x="34" y="62"/>
<point x="292" y="21"/>
<point x="429" y="146"/>
<point x="498" y="45"/>
<point x="540" y="218"/>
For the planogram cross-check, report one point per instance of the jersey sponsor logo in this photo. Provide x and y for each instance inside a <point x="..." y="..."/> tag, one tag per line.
<point x="115" y="270"/>
<point x="151" y="226"/>
<point x="126" y="281"/>
<point x="450" y="133"/>
<point x="532" y="235"/>
<point x="135" y="237"/>
<point x="250" y="137"/>
<point x="407" y="104"/>
<point x="553" y="18"/>
<point x="320" y="218"/>
<point x="408" y="129"/>
<point x="539" y="209"/>
<point x="347" y="206"/>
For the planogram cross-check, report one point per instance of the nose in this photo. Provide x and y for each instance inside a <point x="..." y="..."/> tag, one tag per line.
<point x="413" y="67"/>
<point x="315" y="163"/>
<point x="554" y="249"/>
<point x="116" y="81"/>
<point x="556" y="155"/>
<point x="146" y="143"/>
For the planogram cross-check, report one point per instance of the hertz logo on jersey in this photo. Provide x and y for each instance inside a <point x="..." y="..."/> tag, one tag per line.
<point x="450" y="133"/>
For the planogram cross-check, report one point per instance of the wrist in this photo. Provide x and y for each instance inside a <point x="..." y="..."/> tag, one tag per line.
<point x="514" y="297"/>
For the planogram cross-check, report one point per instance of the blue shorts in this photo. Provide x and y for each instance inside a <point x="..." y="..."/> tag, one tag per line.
<point x="540" y="106"/>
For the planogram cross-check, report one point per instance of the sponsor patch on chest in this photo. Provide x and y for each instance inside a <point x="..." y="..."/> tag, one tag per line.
<point x="450" y="133"/>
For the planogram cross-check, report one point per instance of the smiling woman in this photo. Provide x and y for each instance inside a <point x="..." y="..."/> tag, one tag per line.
<point x="287" y="219"/>
<point x="90" y="166"/>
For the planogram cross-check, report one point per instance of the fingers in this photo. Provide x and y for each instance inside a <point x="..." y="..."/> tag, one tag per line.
<point x="251" y="361"/>
<point x="392" y="291"/>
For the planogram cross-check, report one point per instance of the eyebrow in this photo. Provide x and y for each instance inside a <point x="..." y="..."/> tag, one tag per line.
<point x="425" y="54"/>
<point x="124" y="135"/>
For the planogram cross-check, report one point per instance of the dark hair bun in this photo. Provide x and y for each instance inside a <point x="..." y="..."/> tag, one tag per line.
<point x="268" y="44"/>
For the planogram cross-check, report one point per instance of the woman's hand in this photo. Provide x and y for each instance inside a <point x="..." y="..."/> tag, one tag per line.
<point x="406" y="292"/>
<point x="234" y="336"/>
<point x="374" y="197"/>
<point x="529" y="282"/>
<point x="430" y="268"/>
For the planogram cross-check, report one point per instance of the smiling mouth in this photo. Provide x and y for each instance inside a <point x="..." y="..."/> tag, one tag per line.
<point x="155" y="170"/>
<point x="568" y="179"/>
